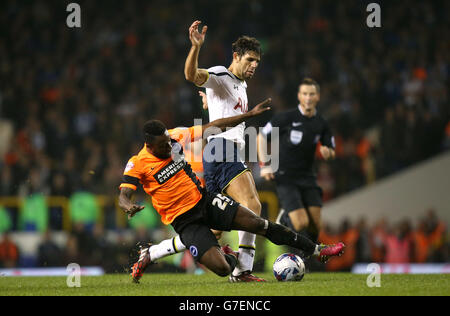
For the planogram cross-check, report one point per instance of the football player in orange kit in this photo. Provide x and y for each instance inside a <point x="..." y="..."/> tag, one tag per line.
<point x="183" y="203"/>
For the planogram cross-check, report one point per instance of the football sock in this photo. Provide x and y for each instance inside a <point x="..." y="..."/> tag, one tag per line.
<point x="166" y="248"/>
<point x="232" y="261"/>
<point x="307" y="234"/>
<point x="313" y="235"/>
<point x="281" y="235"/>
<point x="246" y="252"/>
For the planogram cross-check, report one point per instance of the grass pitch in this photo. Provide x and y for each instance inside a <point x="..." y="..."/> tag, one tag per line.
<point x="212" y="285"/>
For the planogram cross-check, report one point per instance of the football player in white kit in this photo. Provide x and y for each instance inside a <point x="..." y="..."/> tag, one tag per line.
<point x="226" y="97"/>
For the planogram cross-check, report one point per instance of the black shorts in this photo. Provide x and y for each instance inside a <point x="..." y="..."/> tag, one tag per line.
<point x="214" y="211"/>
<point x="293" y="197"/>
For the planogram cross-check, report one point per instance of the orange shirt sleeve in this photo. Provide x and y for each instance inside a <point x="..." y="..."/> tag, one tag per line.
<point x="184" y="134"/>
<point x="132" y="174"/>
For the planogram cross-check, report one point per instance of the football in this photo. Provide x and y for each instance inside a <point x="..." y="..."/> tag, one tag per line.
<point x="289" y="267"/>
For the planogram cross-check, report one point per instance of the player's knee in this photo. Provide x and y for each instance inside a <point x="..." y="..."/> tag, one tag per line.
<point x="217" y="234"/>
<point x="255" y="205"/>
<point x="299" y="220"/>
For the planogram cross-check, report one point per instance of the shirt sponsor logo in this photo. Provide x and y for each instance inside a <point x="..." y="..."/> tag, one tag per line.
<point x="169" y="171"/>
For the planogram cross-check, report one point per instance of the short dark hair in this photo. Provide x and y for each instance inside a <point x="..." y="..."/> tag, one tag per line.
<point x="152" y="129"/>
<point x="246" y="43"/>
<point x="310" y="82"/>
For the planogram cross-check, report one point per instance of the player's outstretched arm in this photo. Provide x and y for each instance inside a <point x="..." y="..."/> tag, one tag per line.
<point x="227" y="122"/>
<point x="191" y="71"/>
<point x="126" y="204"/>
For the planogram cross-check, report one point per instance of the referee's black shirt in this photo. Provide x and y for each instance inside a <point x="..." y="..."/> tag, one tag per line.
<point x="299" y="136"/>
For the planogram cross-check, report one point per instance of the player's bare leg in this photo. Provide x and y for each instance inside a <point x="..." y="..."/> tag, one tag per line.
<point x="299" y="219"/>
<point x="243" y="190"/>
<point x="219" y="262"/>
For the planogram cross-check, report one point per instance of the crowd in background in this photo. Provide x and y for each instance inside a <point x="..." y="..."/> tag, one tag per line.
<point x="422" y="241"/>
<point x="76" y="98"/>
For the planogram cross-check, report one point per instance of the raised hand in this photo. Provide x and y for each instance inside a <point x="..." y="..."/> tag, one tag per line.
<point x="261" y="107"/>
<point x="195" y="36"/>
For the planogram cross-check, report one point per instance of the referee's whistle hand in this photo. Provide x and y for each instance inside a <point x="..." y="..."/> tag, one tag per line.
<point x="268" y="176"/>
<point x="325" y="152"/>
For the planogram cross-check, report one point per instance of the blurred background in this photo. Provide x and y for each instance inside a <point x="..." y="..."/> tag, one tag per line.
<point x="73" y="100"/>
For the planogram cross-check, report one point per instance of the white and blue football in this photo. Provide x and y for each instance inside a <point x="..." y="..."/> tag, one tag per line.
<point x="289" y="267"/>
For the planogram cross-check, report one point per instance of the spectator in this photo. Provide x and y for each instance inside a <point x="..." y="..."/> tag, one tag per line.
<point x="5" y="220"/>
<point x="378" y="240"/>
<point x="49" y="254"/>
<point x="436" y="231"/>
<point x="9" y="253"/>
<point x="34" y="213"/>
<point x="363" y="249"/>
<point x="421" y="243"/>
<point x="399" y="247"/>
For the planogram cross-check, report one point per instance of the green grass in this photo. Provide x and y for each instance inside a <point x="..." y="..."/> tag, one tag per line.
<point x="212" y="285"/>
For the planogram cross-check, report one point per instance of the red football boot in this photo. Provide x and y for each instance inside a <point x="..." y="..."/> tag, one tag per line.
<point x="327" y="251"/>
<point x="245" y="276"/>
<point x="138" y="269"/>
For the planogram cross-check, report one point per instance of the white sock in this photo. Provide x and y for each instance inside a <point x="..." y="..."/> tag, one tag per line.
<point x="166" y="248"/>
<point x="316" y="251"/>
<point x="246" y="252"/>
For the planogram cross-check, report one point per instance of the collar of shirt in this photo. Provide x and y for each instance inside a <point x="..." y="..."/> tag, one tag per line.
<point x="301" y="111"/>
<point x="242" y="81"/>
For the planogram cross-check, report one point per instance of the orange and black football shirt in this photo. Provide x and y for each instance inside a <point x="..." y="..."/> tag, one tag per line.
<point x="173" y="186"/>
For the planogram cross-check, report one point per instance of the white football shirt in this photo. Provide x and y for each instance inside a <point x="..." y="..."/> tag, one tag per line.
<point x="227" y="96"/>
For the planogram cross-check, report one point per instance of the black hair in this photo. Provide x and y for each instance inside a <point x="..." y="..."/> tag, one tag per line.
<point x="245" y="44"/>
<point x="152" y="129"/>
<point x="310" y="82"/>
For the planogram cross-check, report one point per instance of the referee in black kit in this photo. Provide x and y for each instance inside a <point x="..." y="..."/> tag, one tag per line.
<point x="300" y="130"/>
